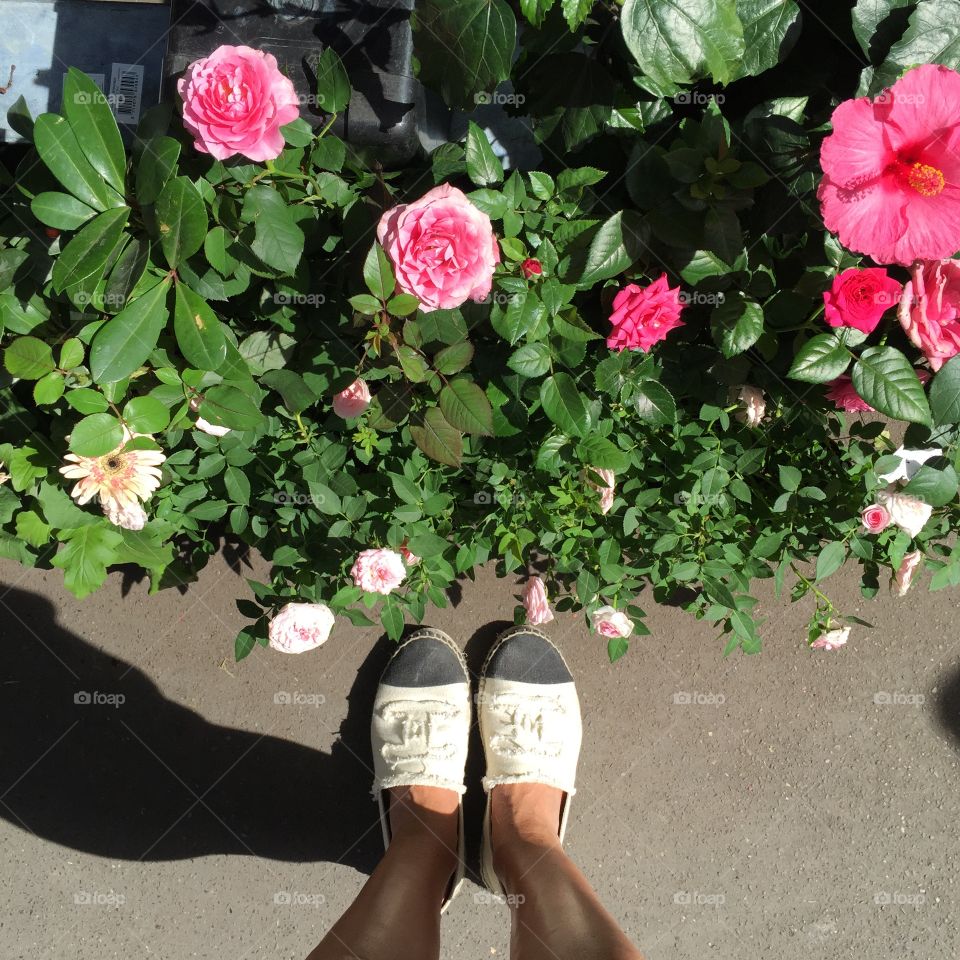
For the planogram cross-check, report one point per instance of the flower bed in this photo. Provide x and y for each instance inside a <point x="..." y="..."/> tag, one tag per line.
<point x="640" y="368"/>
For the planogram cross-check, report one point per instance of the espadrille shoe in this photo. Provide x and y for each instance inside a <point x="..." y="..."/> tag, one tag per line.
<point x="421" y="726"/>
<point x="530" y="724"/>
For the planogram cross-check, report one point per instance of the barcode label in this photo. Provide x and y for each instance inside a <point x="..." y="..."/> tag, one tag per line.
<point x="126" y="88"/>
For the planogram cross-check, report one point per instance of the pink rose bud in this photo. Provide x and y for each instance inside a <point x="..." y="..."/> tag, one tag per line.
<point x="875" y="518"/>
<point x="378" y="571"/>
<point x="442" y="248"/>
<point x="409" y="558"/>
<point x="904" y="576"/>
<point x="299" y="627"/>
<point x="609" y="622"/>
<point x="353" y="401"/>
<point x="535" y="602"/>
<point x="831" y="639"/>
<point x="607" y="490"/>
<point x="642" y="316"/>
<point x="531" y="268"/>
<point x="235" y="101"/>
<point x="859" y="298"/>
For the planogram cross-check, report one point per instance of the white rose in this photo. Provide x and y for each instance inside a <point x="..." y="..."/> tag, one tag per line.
<point x="908" y="513"/>
<point x="299" y="627"/>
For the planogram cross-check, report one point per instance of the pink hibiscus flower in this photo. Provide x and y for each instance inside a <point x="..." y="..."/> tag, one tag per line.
<point x="891" y="185"/>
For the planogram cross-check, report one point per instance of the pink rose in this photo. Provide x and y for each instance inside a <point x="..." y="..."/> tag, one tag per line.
<point x="642" y="316"/>
<point x="442" y="248"/>
<point x="904" y="576"/>
<point x="410" y="559"/>
<point x="353" y="401"/>
<point x="299" y="627"/>
<point x="378" y="570"/>
<point x="535" y="602"/>
<point x="609" y="622"/>
<point x="607" y="490"/>
<point x="930" y="309"/>
<point x="842" y="393"/>
<point x="875" y="518"/>
<point x="235" y="101"/>
<point x="859" y="298"/>
<point x="831" y="639"/>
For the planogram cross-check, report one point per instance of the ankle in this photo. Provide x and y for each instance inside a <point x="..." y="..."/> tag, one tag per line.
<point x="525" y="823"/>
<point x="425" y="817"/>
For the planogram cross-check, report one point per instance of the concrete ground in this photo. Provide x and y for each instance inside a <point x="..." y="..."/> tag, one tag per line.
<point x="791" y="805"/>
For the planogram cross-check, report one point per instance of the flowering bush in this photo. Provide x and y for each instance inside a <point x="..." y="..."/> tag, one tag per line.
<point x="641" y="368"/>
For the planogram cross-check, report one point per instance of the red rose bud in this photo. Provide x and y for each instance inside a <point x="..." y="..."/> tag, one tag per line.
<point x="52" y="233"/>
<point x="531" y="268"/>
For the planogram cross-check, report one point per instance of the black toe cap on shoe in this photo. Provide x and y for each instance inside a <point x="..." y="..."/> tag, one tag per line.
<point x="527" y="658"/>
<point x="424" y="661"/>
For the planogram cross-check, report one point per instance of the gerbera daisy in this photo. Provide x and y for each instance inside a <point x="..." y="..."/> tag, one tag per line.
<point x="120" y="479"/>
<point x="891" y="186"/>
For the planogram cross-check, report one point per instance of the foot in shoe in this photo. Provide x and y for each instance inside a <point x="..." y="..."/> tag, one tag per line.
<point x="524" y="823"/>
<point x="427" y="815"/>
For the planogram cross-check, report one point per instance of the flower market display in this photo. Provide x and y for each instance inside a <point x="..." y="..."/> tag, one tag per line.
<point x="711" y="337"/>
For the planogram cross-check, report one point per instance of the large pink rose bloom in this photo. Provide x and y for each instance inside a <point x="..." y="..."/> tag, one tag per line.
<point x="891" y="185"/>
<point x="378" y="571"/>
<point x="299" y="627"/>
<point x="442" y="248"/>
<point x="642" y="316"/>
<point x="235" y="101"/>
<point x="352" y="401"/>
<point x="930" y="309"/>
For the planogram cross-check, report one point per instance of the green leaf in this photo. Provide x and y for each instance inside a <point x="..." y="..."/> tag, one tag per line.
<point x="365" y="303"/>
<point x="465" y="47"/>
<point x="933" y="486"/>
<point x="19" y="119"/>
<point x="790" y="477"/>
<point x="28" y="358"/>
<point x="333" y="84"/>
<point x="483" y="166"/>
<point x="60" y="210"/>
<point x="886" y="380"/>
<point x="244" y="644"/>
<point x="466" y="407"/>
<point x="575" y="11"/>
<point x="616" y="244"/>
<point x="391" y="616"/>
<point x="125" y="274"/>
<point x="146" y="415"/>
<point x="654" y="402"/>
<point x="737" y="325"/>
<point x="945" y="394"/>
<point x="427" y="545"/>
<point x="831" y="559"/>
<point x="438" y="439"/>
<point x="86" y="554"/>
<point x="82" y="261"/>
<point x="215" y="246"/>
<point x="48" y="389"/>
<point x="297" y="396"/>
<point x="85" y="400"/>
<point x="523" y="314"/>
<point x="870" y="20"/>
<point x="278" y="240"/>
<point x="377" y="274"/>
<point x="96" y="435"/>
<point x="230" y="407"/>
<point x="96" y="129"/>
<point x="237" y="484"/>
<point x="156" y="166"/>
<point x="932" y="36"/>
<point x="124" y="342"/>
<point x="821" y="359"/>
<point x="564" y="404"/>
<point x="199" y="332"/>
<point x="766" y="25"/>
<point x="530" y="360"/>
<point x="297" y="133"/>
<point x="181" y="219"/>
<point x="32" y="529"/>
<point x="616" y="648"/>
<point x="57" y="144"/>
<point x="402" y="305"/>
<point x="454" y="358"/>
<point x="677" y="43"/>
<point x="595" y="451"/>
<point x="71" y="353"/>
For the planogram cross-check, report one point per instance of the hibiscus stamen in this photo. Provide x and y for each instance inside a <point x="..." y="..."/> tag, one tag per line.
<point x="926" y="180"/>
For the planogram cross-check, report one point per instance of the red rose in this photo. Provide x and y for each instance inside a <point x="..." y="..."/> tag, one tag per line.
<point x="859" y="298"/>
<point x="531" y="268"/>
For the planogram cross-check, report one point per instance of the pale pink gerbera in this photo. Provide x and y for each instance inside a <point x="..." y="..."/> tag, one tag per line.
<point x="120" y="479"/>
<point x="891" y="186"/>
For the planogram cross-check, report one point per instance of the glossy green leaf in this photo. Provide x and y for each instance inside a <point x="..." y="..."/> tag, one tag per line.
<point x="377" y="273"/>
<point x="198" y="330"/>
<point x="60" y="210"/>
<point x="96" y="129"/>
<point x="156" y="166"/>
<point x="96" y="435"/>
<point x="146" y="415"/>
<point x="85" y="256"/>
<point x="466" y="407"/>
<point x="333" y="84"/>
<point x="886" y="380"/>
<point x="483" y="166"/>
<point x="438" y="439"/>
<point x="821" y="359"/>
<point x="28" y="358"/>
<point x="181" y="220"/>
<point x="565" y="405"/>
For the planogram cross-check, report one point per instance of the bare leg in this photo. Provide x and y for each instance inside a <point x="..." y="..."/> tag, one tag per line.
<point x="556" y="914"/>
<point x="400" y="902"/>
